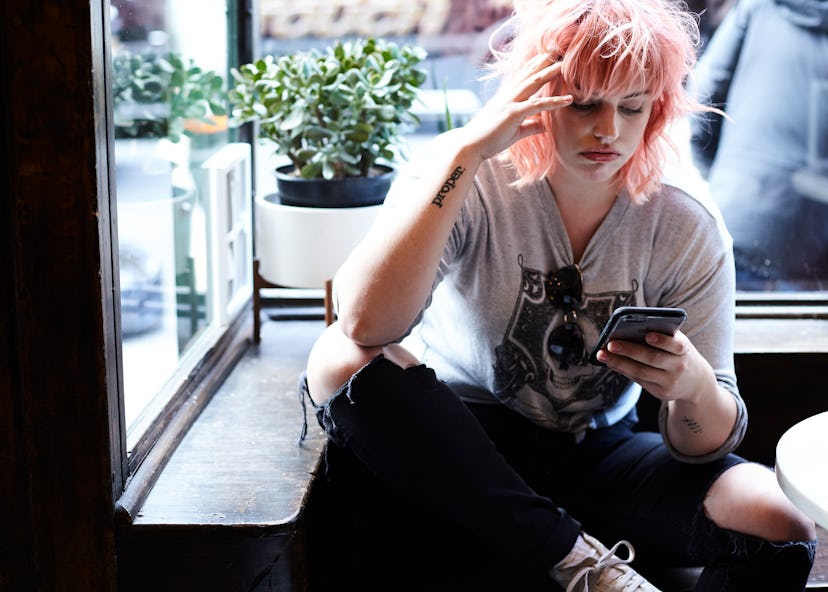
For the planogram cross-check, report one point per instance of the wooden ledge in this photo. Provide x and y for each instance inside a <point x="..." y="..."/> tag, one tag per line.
<point x="226" y="510"/>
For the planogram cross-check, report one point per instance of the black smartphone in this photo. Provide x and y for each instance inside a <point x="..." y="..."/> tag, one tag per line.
<point x="632" y="323"/>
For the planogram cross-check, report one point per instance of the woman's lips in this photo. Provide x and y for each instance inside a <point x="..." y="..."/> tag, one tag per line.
<point x="600" y="155"/>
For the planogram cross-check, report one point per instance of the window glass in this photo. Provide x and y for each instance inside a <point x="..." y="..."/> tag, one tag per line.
<point x="770" y="176"/>
<point x="454" y="34"/>
<point x="766" y="164"/>
<point x="181" y="190"/>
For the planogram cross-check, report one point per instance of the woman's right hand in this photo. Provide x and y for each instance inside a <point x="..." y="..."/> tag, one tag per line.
<point x="512" y="113"/>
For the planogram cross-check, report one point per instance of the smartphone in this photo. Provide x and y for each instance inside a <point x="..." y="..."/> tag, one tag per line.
<point x="632" y="323"/>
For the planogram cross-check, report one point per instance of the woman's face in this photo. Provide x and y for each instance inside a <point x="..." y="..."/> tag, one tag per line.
<point x="596" y="136"/>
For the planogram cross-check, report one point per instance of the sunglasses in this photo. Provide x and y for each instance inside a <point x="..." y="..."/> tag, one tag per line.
<point x="565" y="344"/>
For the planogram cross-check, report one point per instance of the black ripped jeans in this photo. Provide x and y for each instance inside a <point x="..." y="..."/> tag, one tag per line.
<point x="443" y="495"/>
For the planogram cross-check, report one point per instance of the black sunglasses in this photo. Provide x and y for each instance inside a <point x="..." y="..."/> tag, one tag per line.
<point x="564" y="289"/>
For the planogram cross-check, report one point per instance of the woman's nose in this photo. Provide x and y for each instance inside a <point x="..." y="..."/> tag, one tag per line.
<point x="606" y="124"/>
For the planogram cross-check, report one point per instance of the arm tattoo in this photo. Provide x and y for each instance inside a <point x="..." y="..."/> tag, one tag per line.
<point x="449" y="184"/>
<point x="692" y="425"/>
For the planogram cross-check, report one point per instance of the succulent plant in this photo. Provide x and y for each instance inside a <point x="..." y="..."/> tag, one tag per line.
<point x="336" y="112"/>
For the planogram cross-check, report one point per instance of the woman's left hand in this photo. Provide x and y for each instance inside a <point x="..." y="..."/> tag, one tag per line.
<point x="668" y="367"/>
<point x="701" y="413"/>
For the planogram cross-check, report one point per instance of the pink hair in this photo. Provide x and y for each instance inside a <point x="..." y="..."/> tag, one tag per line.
<point x="607" y="47"/>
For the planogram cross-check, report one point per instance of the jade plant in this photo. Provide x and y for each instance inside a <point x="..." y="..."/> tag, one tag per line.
<point x="156" y="93"/>
<point x="334" y="112"/>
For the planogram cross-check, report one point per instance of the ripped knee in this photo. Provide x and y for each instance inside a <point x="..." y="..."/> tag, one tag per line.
<point x="747" y="498"/>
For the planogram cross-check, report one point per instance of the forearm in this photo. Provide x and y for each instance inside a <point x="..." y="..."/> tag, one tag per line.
<point x="701" y="426"/>
<point x="388" y="277"/>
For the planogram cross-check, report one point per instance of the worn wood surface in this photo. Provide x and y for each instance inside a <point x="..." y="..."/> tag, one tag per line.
<point x="819" y="574"/>
<point x="226" y="511"/>
<point x="241" y="463"/>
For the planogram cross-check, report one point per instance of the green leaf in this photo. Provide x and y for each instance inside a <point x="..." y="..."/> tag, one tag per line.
<point x="311" y="170"/>
<point x="293" y="120"/>
<point x="335" y="110"/>
<point x="361" y="132"/>
<point x="328" y="170"/>
<point x="316" y="132"/>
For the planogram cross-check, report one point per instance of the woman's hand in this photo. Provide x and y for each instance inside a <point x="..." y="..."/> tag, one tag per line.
<point x="701" y="413"/>
<point x="668" y="367"/>
<point x="512" y="113"/>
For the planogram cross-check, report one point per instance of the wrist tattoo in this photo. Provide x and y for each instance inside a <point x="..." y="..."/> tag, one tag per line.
<point x="692" y="425"/>
<point x="448" y="185"/>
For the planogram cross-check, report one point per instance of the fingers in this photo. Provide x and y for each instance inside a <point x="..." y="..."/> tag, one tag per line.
<point x="538" y="73"/>
<point x="668" y="367"/>
<point x="535" y="105"/>
<point x="512" y="114"/>
<point x="532" y="107"/>
<point x="656" y="380"/>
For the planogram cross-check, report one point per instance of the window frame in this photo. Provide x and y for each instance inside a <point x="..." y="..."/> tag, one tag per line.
<point x="193" y="385"/>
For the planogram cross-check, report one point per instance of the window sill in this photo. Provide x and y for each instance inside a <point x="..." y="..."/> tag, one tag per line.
<point x="774" y="323"/>
<point x="781" y="336"/>
<point x="228" y="505"/>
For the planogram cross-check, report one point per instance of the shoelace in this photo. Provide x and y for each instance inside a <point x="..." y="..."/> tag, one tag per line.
<point x="604" y="562"/>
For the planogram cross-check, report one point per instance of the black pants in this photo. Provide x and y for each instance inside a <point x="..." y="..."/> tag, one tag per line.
<point x="424" y="480"/>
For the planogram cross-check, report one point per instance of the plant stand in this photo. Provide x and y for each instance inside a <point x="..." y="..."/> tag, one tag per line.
<point x="260" y="283"/>
<point x="298" y="247"/>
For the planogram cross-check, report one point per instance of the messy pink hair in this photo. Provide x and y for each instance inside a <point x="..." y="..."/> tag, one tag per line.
<point x="607" y="47"/>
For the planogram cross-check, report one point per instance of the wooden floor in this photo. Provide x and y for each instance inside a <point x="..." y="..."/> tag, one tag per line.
<point x="819" y="574"/>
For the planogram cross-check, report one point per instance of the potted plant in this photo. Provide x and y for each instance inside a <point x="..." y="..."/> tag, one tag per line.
<point x="337" y="114"/>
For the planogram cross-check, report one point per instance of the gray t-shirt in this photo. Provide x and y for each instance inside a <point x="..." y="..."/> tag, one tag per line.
<point x="486" y="326"/>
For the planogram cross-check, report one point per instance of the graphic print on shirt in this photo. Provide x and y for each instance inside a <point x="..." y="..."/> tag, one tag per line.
<point x="537" y="384"/>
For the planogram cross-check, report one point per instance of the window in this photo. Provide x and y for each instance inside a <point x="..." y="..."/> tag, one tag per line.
<point x="454" y="33"/>
<point x="183" y="188"/>
<point x="783" y="271"/>
<point x="766" y="164"/>
<point x="182" y="179"/>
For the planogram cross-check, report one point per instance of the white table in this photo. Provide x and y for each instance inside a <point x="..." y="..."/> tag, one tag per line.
<point x="802" y="466"/>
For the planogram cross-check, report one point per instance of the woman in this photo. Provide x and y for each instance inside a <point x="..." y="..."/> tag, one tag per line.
<point x="498" y="257"/>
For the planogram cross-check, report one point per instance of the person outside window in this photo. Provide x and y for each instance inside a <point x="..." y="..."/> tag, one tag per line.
<point x="753" y="158"/>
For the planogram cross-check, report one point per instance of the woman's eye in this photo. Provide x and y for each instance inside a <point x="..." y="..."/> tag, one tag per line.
<point x="631" y="110"/>
<point x="626" y="110"/>
<point x="583" y="106"/>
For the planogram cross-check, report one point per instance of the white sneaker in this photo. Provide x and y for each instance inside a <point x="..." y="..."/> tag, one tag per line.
<point x="591" y="567"/>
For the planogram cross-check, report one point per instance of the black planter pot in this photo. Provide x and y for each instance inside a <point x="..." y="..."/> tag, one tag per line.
<point x="350" y="192"/>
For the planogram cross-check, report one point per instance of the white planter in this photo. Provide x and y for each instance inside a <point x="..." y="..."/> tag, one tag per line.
<point x="303" y="247"/>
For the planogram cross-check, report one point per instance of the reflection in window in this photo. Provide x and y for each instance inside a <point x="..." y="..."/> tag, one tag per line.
<point x="767" y="164"/>
<point x="169" y="95"/>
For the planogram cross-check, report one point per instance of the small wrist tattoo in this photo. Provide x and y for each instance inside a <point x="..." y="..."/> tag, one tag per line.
<point x="449" y="184"/>
<point x="692" y="425"/>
